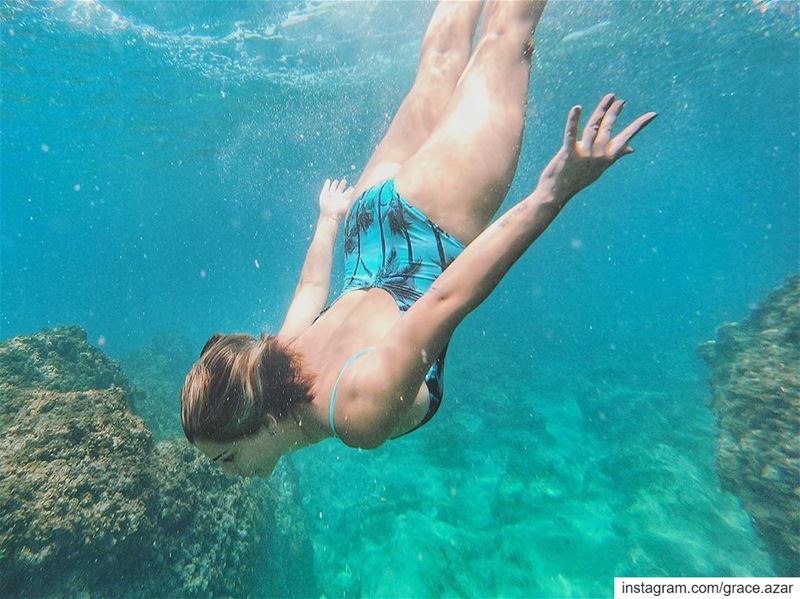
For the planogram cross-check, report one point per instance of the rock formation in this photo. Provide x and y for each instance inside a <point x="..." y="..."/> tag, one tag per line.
<point x="755" y="382"/>
<point x="91" y="505"/>
<point x="156" y="374"/>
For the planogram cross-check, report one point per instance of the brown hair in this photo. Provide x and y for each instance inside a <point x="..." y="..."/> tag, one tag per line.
<point x="236" y="382"/>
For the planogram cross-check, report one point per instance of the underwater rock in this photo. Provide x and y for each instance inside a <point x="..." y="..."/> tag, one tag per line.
<point x="223" y="537"/>
<point x="72" y="489"/>
<point x="54" y="360"/>
<point x="156" y="374"/>
<point x="755" y="383"/>
<point x="90" y="505"/>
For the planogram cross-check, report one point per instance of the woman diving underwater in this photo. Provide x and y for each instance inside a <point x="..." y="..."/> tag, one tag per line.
<point x="420" y="254"/>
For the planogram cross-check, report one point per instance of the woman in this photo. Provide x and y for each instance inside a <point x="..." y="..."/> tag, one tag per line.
<point x="369" y="368"/>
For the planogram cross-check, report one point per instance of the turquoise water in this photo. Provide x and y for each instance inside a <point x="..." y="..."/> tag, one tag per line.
<point x="159" y="172"/>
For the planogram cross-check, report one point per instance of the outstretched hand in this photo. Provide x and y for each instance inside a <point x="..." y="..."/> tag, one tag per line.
<point x="335" y="199"/>
<point x="579" y="163"/>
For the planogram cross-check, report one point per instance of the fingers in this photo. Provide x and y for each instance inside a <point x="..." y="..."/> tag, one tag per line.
<point x="335" y="186"/>
<point x="597" y="141"/>
<point x="619" y="145"/>
<point x="571" y="129"/>
<point x="604" y="132"/>
<point x="593" y="124"/>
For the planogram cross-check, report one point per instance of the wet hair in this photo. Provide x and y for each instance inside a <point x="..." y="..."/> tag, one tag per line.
<point x="237" y="381"/>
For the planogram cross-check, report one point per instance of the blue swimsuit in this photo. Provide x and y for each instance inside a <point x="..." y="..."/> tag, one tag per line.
<point x="392" y="245"/>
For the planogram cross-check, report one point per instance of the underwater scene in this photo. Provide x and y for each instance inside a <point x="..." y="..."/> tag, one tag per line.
<point x="626" y="402"/>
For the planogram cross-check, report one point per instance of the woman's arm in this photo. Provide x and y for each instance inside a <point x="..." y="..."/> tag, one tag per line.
<point x="481" y="266"/>
<point x="313" y="287"/>
<point x="312" y="290"/>
<point x="386" y="383"/>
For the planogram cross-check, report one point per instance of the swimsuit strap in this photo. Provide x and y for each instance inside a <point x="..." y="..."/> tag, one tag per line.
<point x="352" y="359"/>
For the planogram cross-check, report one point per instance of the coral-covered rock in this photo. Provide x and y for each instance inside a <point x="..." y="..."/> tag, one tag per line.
<point x="218" y="536"/>
<point x="73" y="487"/>
<point x="755" y="382"/>
<point x="156" y="374"/>
<point x="54" y="360"/>
<point x="90" y="505"/>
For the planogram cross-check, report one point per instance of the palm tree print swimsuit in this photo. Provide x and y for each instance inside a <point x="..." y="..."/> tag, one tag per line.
<point x="392" y="245"/>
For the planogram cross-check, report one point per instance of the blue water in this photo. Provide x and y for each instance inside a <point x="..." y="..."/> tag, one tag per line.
<point x="159" y="169"/>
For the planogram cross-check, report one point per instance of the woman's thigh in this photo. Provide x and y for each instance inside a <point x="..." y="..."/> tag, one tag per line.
<point x="444" y="54"/>
<point x="461" y="174"/>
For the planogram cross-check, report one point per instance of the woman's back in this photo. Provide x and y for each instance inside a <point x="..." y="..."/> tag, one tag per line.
<point x="357" y="320"/>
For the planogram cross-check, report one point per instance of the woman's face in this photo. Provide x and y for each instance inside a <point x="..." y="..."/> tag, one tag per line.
<point x="254" y="455"/>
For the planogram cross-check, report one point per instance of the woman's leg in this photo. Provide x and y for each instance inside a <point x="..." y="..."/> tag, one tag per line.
<point x="443" y="56"/>
<point x="461" y="174"/>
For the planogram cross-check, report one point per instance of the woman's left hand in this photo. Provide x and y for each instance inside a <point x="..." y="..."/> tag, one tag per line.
<point x="581" y="162"/>
<point x="335" y="199"/>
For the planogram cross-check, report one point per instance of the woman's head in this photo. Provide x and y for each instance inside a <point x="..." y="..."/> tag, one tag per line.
<point x="237" y="384"/>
